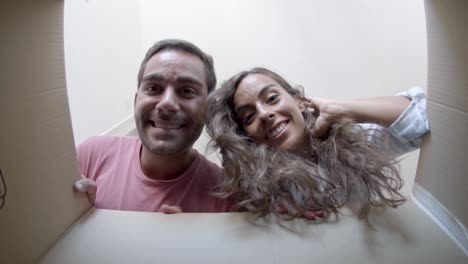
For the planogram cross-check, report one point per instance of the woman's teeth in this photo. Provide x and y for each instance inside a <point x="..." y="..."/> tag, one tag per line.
<point x="277" y="130"/>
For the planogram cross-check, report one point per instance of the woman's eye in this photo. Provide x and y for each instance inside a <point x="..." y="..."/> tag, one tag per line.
<point x="247" y="118"/>
<point x="272" y="98"/>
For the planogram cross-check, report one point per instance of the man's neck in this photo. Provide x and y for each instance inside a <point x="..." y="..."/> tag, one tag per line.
<point x="159" y="167"/>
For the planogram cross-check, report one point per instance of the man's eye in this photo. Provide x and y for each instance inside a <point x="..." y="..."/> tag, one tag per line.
<point x="272" y="98"/>
<point x="152" y="88"/>
<point x="189" y="91"/>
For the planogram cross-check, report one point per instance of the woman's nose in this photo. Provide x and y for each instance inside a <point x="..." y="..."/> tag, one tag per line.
<point x="266" y="115"/>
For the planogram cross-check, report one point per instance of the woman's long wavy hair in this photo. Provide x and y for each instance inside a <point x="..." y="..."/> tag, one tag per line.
<point x="341" y="168"/>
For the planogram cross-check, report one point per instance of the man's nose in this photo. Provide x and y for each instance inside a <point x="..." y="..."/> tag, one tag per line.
<point x="168" y="103"/>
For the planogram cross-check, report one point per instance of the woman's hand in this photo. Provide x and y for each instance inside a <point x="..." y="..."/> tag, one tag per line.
<point x="326" y="111"/>
<point x="309" y="215"/>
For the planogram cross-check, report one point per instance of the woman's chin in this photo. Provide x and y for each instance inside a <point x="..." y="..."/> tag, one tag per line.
<point x="292" y="145"/>
<point x="288" y="146"/>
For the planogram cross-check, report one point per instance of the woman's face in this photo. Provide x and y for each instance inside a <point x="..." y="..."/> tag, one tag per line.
<point x="268" y="113"/>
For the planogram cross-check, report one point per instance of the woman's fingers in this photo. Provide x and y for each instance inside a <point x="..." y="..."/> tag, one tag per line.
<point x="318" y="107"/>
<point x="326" y="112"/>
<point x="309" y="215"/>
<point x="309" y="104"/>
<point x="312" y="215"/>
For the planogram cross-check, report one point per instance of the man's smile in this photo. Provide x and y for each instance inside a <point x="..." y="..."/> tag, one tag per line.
<point x="165" y="124"/>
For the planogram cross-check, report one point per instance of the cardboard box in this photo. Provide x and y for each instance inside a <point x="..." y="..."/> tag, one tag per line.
<point x="44" y="221"/>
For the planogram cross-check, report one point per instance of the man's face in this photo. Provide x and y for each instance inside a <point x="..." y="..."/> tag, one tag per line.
<point x="170" y="101"/>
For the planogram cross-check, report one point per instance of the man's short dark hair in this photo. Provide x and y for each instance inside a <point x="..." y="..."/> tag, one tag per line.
<point x="178" y="44"/>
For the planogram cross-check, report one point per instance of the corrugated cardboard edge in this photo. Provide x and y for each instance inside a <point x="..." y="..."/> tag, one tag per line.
<point x="124" y="128"/>
<point x="85" y="214"/>
<point x="441" y="216"/>
<point x="37" y="149"/>
<point x="446" y="94"/>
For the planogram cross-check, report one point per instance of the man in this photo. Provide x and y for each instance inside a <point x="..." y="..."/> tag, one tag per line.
<point x="159" y="170"/>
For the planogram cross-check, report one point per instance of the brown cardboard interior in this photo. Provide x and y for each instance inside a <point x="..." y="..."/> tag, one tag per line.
<point x="37" y="155"/>
<point x="405" y="235"/>
<point x="40" y="205"/>
<point x="443" y="158"/>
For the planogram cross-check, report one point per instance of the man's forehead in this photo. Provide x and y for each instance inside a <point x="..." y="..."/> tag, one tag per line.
<point x="181" y="58"/>
<point x="170" y="54"/>
<point x="176" y="62"/>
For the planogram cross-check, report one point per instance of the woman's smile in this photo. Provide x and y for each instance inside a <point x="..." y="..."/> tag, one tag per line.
<point x="276" y="131"/>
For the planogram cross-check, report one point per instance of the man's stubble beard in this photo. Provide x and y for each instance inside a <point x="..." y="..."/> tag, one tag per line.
<point x="170" y="148"/>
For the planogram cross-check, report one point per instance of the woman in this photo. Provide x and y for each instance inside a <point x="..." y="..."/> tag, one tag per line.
<point x="281" y="155"/>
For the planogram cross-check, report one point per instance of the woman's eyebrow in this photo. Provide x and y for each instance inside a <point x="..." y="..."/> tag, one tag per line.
<point x="265" y="89"/>
<point x="260" y="94"/>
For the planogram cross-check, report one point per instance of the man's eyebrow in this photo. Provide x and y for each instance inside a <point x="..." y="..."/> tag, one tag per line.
<point x="153" y="77"/>
<point x="262" y="93"/>
<point x="188" y="79"/>
<point x="180" y="79"/>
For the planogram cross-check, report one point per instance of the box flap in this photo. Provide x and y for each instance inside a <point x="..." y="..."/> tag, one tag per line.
<point x="443" y="162"/>
<point x="37" y="153"/>
<point x="404" y="235"/>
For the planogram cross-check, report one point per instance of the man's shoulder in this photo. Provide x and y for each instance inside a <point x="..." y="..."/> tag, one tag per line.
<point x="98" y="151"/>
<point x="99" y="145"/>
<point x="98" y="141"/>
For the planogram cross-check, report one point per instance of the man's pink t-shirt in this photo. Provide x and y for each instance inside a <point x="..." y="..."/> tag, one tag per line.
<point x="114" y="164"/>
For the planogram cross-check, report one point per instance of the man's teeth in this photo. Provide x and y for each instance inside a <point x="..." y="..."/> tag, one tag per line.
<point x="167" y="126"/>
<point x="278" y="130"/>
